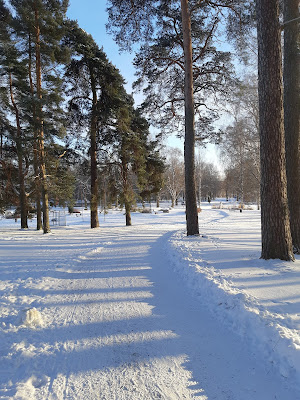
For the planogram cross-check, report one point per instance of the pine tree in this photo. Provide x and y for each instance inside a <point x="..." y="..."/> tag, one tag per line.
<point x="138" y="159"/>
<point x="291" y="80"/>
<point x="94" y="89"/>
<point x="125" y="138"/>
<point x="60" y="166"/>
<point x="154" y="172"/>
<point x="40" y="26"/>
<point x="276" y="235"/>
<point x="128" y="153"/>
<point x="14" y="93"/>
<point x="147" y="163"/>
<point x="189" y="142"/>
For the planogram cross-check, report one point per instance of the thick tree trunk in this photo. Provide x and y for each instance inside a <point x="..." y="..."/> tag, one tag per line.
<point x="37" y="185"/>
<point x="291" y="80"/>
<point x="93" y="154"/>
<point x="35" y="144"/>
<point x="44" y="185"/>
<point x="127" y="213"/>
<point x="40" y="124"/>
<point x="94" y="176"/>
<point x="189" y="142"/>
<point x="276" y="235"/>
<point x="126" y="192"/>
<point x="22" y="193"/>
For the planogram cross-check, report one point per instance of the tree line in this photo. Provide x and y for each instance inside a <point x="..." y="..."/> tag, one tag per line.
<point x="64" y="108"/>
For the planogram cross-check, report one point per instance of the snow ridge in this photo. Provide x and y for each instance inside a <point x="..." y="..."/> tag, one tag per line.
<point x="265" y="332"/>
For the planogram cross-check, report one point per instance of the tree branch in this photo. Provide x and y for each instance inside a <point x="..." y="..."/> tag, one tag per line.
<point x="206" y="41"/>
<point x="172" y="61"/>
<point x="282" y="26"/>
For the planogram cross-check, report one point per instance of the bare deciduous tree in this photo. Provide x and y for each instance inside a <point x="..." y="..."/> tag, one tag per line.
<point x="174" y="174"/>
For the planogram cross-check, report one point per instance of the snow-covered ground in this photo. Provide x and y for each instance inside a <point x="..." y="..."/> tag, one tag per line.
<point x="144" y="312"/>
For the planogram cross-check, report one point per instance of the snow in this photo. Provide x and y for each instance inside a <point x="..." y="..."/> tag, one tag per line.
<point x="31" y="317"/>
<point x="145" y="312"/>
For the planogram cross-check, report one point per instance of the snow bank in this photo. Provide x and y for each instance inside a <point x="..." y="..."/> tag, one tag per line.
<point x="266" y="332"/>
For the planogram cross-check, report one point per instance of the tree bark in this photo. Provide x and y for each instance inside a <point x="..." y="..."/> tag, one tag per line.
<point x="35" y="144"/>
<point x="126" y="191"/>
<point x="291" y="80"/>
<point x="93" y="154"/>
<point x="39" y="224"/>
<point x="173" y="201"/>
<point x="22" y="192"/>
<point x="276" y="235"/>
<point x="40" y="124"/>
<point x="94" y="176"/>
<point x="127" y="214"/>
<point x="189" y="142"/>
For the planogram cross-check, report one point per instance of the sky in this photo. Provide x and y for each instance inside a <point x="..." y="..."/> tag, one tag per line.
<point x="92" y="17"/>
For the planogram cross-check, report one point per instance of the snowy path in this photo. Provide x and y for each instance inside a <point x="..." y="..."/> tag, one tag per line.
<point x="119" y="324"/>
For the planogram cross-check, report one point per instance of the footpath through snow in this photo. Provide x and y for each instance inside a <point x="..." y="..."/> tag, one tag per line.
<point x="146" y="313"/>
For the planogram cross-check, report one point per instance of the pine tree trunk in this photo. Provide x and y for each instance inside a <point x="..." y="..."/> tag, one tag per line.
<point x="127" y="213"/>
<point x="22" y="193"/>
<point x="276" y="235"/>
<point x="189" y="142"/>
<point x="37" y="185"/>
<point x="126" y="193"/>
<point x="35" y="144"/>
<point x="93" y="151"/>
<point x="44" y="185"/>
<point x="291" y="80"/>
<point x="94" y="177"/>
<point x="41" y="146"/>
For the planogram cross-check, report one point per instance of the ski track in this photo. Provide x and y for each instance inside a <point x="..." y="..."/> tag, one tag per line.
<point x="119" y="324"/>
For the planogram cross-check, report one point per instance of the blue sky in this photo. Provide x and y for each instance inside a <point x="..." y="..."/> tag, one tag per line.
<point x="92" y="17"/>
